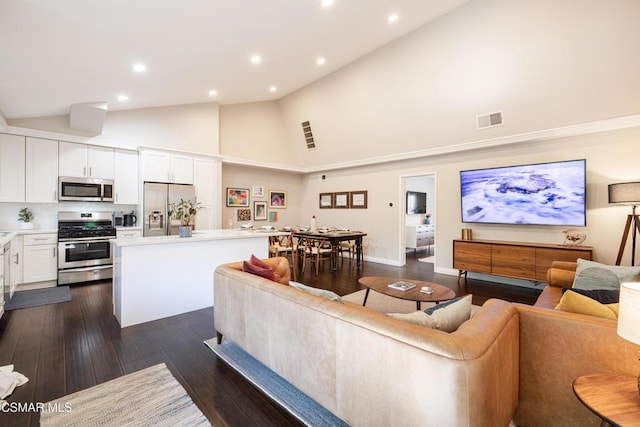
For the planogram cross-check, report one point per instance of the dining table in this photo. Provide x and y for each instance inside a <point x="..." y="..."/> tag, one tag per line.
<point x="334" y="237"/>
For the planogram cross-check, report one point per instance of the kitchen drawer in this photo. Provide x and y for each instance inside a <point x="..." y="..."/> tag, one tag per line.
<point x="128" y="234"/>
<point x="39" y="239"/>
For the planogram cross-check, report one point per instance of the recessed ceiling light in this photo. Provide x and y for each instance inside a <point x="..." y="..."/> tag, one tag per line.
<point x="139" y="68"/>
<point x="393" y="18"/>
<point x="273" y="89"/>
<point x="320" y="61"/>
<point x="213" y="92"/>
<point x="256" y="59"/>
<point x="326" y="3"/>
<point x="123" y="98"/>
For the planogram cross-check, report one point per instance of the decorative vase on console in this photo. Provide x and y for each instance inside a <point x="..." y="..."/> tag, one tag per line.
<point x="427" y="219"/>
<point x="184" y="212"/>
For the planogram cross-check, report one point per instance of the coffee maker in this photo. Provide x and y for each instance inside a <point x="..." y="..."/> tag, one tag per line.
<point x="118" y="219"/>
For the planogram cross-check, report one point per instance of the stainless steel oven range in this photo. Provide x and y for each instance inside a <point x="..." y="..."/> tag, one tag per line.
<point x="84" y="250"/>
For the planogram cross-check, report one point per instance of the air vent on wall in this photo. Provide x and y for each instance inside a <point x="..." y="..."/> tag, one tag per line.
<point x="308" y="136"/>
<point x="490" y="120"/>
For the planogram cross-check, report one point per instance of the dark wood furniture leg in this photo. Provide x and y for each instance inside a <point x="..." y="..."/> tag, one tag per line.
<point x="366" y="295"/>
<point x="218" y="337"/>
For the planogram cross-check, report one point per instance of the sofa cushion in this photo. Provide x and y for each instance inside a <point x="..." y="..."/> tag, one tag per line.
<point x="266" y="272"/>
<point x="594" y="275"/>
<point x="574" y="302"/>
<point x="446" y="316"/>
<point x="604" y="296"/>
<point x="323" y="293"/>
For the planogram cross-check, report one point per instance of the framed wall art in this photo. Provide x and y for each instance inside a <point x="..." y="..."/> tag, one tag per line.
<point x="273" y="216"/>
<point x="341" y="200"/>
<point x="260" y="211"/>
<point x="277" y="199"/>
<point x="326" y="200"/>
<point x="257" y="191"/>
<point x="358" y="199"/>
<point x="238" y="197"/>
<point x="244" y="214"/>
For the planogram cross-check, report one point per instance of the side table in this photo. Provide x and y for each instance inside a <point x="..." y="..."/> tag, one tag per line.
<point x="612" y="397"/>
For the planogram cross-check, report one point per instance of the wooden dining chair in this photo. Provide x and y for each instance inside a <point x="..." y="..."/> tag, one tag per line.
<point x="284" y="246"/>
<point x="315" y="249"/>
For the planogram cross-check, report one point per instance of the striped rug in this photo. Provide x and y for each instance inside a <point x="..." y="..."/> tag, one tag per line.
<point x="150" y="397"/>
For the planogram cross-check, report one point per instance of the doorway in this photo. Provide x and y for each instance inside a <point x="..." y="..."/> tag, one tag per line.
<point x="418" y="219"/>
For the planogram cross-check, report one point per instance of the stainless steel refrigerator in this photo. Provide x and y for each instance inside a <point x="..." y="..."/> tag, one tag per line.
<point x="157" y="197"/>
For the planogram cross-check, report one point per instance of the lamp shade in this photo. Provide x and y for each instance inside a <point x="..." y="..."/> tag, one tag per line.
<point x="625" y="192"/>
<point x="629" y="312"/>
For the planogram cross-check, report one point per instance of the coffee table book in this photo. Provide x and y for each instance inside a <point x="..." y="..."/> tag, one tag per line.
<point x="402" y="286"/>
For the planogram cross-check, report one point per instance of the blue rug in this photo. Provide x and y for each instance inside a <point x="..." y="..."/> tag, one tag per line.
<point x="36" y="297"/>
<point x="301" y="406"/>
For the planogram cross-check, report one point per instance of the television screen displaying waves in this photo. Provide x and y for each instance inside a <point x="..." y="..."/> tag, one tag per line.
<point x="537" y="194"/>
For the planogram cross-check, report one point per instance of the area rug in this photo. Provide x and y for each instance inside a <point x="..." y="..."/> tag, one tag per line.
<point x="306" y="410"/>
<point x="150" y="397"/>
<point x="36" y="297"/>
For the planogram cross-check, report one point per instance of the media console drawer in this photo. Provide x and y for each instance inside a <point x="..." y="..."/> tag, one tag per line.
<point x="519" y="260"/>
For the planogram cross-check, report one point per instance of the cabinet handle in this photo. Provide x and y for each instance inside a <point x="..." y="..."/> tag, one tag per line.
<point x="55" y="195"/>
<point x="40" y="238"/>
<point x="116" y="197"/>
<point x="17" y="259"/>
<point x="54" y="251"/>
<point x="90" y="170"/>
<point x="84" y="171"/>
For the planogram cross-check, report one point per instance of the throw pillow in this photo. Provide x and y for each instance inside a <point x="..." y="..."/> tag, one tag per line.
<point x="604" y="296"/>
<point x="594" y="275"/>
<point x="258" y="262"/>
<point x="446" y="316"/>
<point x="323" y="293"/>
<point x="267" y="273"/>
<point x="573" y="302"/>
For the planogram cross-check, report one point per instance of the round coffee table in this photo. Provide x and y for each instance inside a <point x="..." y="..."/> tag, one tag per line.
<point x="381" y="284"/>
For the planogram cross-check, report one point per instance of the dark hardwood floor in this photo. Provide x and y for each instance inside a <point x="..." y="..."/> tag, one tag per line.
<point x="66" y="347"/>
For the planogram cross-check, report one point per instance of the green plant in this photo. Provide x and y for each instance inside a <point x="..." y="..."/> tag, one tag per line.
<point x="184" y="211"/>
<point x="25" y="215"/>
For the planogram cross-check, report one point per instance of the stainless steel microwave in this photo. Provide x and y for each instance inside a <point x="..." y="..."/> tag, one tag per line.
<point x="85" y="189"/>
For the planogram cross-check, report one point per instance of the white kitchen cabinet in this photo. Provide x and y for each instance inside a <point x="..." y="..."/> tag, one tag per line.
<point x="206" y="179"/>
<point x="12" y="164"/>
<point x="86" y="161"/>
<point x="40" y="253"/>
<point x="41" y="176"/>
<point x="16" y="263"/>
<point x="126" y="177"/>
<point x="164" y="166"/>
<point x="128" y="233"/>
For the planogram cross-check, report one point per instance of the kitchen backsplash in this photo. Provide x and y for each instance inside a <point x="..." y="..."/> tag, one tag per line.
<point x="45" y="215"/>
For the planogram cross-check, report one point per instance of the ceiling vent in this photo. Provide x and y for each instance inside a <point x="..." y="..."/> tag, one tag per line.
<point x="490" y="120"/>
<point x="88" y="117"/>
<point x="308" y="135"/>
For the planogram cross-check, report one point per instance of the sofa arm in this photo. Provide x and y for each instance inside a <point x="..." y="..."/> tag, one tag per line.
<point x="561" y="274"/>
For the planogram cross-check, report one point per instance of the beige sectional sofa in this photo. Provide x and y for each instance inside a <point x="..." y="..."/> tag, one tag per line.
<point x="369" y="369"/>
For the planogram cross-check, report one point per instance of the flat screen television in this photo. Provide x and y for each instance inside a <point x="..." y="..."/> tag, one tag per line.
<point x="416" y="202"/>
<point x="539" y="194"/>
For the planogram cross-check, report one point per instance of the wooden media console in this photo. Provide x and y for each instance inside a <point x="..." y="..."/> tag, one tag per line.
<point x="518" y="260"/>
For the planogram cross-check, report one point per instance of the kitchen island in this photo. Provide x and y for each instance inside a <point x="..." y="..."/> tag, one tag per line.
<point x="158" y="277"/>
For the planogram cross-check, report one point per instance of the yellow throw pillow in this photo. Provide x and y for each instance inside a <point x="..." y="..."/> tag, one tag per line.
<point x="573" y="302"/>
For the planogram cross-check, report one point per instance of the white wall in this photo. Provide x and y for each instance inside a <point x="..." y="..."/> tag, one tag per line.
<point x="255" y="131"/>
<point x="234" y="176"/>
<point x="611" y="157"/>
<point x="544" y="63"/>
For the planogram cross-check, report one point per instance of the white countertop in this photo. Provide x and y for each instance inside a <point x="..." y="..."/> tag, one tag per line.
<point x="198" y="235"/>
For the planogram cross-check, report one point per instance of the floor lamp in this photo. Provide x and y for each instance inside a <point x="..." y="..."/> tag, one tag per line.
<point x="627" y="193"/>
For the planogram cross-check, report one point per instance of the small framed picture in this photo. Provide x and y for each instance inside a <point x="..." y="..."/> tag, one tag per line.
<point x="260" y="211"/>
<point x="358" y="199"/>
<point x="257" y="191"/>
<point x="277" y="199"/>
<point x="244" y="214"/>
<point x="238" y="197"/>
<point x="341" y="200"/>
<point x="326" y="200"/>
<point x="273" y="216"/>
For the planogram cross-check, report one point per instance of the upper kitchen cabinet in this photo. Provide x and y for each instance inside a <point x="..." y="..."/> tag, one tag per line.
<point x="126" y="177"/>
<point x="41" y="176"/>
<point x="12" y="157"/>
<point x="86" y="161"/>
<point x="164" y="166"/>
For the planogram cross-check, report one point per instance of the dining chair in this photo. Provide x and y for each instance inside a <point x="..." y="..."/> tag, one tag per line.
<point x="284" y="246"/>
<point x="317" y="249"/>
